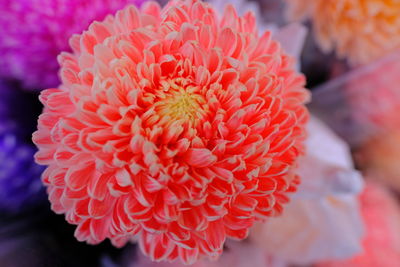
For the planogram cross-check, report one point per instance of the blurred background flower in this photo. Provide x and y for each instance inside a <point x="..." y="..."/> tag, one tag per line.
<point x="20" y="185"/>
<point x="373" y="93"/>
<point x="34" y="32"/>
<point x="361" y="31"/>
<point x="362" y="106"/>
<point x="381" y="245"/>
<point x="374" y="100"/>
<point x="379" y="158"/>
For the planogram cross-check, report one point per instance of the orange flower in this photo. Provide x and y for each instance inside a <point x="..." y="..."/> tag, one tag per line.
<point x="360" y="30"/>
<point x="174" y="127"/>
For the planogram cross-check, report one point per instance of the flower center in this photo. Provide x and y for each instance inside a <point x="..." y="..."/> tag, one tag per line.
<point x="180" y="101"/>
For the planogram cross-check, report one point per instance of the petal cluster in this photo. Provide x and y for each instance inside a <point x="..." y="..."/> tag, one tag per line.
<point x="359" y="30"/>
<point x="236" y="254"/>
<point x="175" y="127"/>
<point x="34" y="32"/>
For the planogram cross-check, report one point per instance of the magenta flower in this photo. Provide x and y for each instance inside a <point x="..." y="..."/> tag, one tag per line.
<point x="34" y="32"/>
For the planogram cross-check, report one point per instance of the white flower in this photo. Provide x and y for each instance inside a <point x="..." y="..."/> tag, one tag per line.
<point x="323" y="220"/>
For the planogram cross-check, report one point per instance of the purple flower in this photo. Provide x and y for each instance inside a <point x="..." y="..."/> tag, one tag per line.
<point x="20" y="185"/>
<point x="34" y="32"/>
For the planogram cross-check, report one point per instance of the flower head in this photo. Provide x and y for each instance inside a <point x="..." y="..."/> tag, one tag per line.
<point x="34" y="32"/>
<point x="358" y="30"/>
<point x="175" y="127"/>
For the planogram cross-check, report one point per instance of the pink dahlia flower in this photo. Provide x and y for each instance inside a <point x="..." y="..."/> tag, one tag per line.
<point x="381" y="245"/>
<point x="359" y="30"/>
<point x="175" y="127"/>
<point x="34" y="32"/>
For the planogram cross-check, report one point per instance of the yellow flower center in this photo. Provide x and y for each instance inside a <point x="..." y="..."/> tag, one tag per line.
<point x="180" y="101"/>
